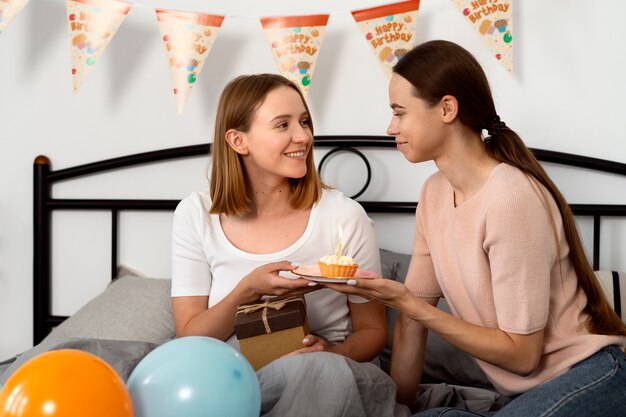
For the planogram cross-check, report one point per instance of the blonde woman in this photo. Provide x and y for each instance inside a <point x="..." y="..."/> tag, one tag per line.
<point x="267" y="210"/>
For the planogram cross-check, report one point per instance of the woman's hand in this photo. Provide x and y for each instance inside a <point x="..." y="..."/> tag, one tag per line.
<point x="386" y="291"/>
<point x="313" y="343"/>
<point x="265" y="280"/>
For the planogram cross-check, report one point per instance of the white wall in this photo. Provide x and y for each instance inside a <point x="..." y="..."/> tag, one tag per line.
<point x="566" y="95"/>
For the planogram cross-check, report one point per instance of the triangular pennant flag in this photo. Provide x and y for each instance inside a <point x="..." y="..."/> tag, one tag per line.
<point x="494" y="21"/>
<point x="8" y="10"/>
<point x="389" y="30"/>
<point x="188" y="38"/>
<point x="92" y="25"/>
<point x="296" y="42"/>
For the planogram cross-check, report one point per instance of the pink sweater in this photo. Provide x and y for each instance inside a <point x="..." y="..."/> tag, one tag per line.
<point x="496" y="261"/>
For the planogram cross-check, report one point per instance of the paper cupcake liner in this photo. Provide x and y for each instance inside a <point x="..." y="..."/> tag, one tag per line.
<point x="337" y="271"/>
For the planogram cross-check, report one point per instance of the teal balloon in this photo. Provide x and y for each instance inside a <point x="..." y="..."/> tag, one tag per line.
<point x="194" y="376"/>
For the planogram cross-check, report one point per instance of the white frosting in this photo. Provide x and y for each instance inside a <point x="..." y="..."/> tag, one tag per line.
<point x="337" y="260"/>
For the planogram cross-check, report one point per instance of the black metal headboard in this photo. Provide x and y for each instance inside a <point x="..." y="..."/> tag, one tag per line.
<point x="45" y="204"/>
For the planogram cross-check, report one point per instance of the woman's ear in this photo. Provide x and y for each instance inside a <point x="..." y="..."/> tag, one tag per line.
<point x="449" y="108"/>
<point x="236" y="141"/>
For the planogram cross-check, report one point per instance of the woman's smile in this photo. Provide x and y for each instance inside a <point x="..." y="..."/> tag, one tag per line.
<point x="296" y="154"/>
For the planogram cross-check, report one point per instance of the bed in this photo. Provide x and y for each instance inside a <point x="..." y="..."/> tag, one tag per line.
<point x="132" y="315"/>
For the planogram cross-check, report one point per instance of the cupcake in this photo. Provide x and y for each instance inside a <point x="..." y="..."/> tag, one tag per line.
<point x="399" y="53"/>
<point x="500" y="25"/>
<point x="333" y="266"/>
<point x="304" y="66"/>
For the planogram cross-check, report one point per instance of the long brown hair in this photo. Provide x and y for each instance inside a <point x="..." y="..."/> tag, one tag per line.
<point x="439" y="68"/>
<point x="228" y="185"/>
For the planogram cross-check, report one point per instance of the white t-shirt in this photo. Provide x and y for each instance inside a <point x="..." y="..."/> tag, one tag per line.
<point x="204" y="262"/>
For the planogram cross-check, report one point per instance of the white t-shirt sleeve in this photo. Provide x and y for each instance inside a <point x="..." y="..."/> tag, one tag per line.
<point x="191" y="275"/>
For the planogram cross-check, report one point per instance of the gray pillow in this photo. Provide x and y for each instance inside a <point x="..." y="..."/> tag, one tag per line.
<point x="443" y="362"/>
<point x="130" y="308"/>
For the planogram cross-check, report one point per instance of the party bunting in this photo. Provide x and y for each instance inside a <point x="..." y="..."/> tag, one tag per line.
<point x="296" y="42"/>
<point x="92" y="25"/>
<point x="494" y="21"/>
<point x="8" y="10"/>
<point x="188" y="38"/>
<point x="389" y="30"/>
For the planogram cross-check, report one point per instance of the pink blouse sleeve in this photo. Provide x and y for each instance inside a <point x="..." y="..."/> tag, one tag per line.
<point x="522" y="248"/>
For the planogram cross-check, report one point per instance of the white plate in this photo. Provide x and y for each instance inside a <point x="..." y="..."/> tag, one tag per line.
<point x="312" y="273"/>
<point x="315" y="278"/>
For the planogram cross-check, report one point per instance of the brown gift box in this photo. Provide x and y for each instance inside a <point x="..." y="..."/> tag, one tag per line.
<point x="268" y="329"/>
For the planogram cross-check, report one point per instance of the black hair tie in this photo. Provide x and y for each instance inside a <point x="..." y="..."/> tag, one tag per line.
<point x="496" y="126"/>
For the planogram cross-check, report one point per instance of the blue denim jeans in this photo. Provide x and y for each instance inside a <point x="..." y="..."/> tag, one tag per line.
<point x="595" y="387"/>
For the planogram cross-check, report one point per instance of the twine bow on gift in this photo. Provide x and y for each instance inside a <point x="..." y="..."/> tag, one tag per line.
<point x="268" y="303"/>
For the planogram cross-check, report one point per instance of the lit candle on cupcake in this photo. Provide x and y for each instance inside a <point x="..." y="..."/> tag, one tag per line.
<point x="337" y="266"/>
<point x="339" y="243"/>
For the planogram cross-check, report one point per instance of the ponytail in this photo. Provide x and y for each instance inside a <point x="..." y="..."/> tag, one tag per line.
<point x="505" y="145"/>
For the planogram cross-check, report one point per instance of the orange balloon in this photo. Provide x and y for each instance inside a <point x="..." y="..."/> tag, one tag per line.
<point x="67" y="383"/>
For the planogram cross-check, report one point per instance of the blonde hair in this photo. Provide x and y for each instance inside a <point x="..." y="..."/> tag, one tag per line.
<point x="229" y="184"/>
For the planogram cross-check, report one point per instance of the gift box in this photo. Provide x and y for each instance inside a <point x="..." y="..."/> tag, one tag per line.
<point x="268" y="329"/>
